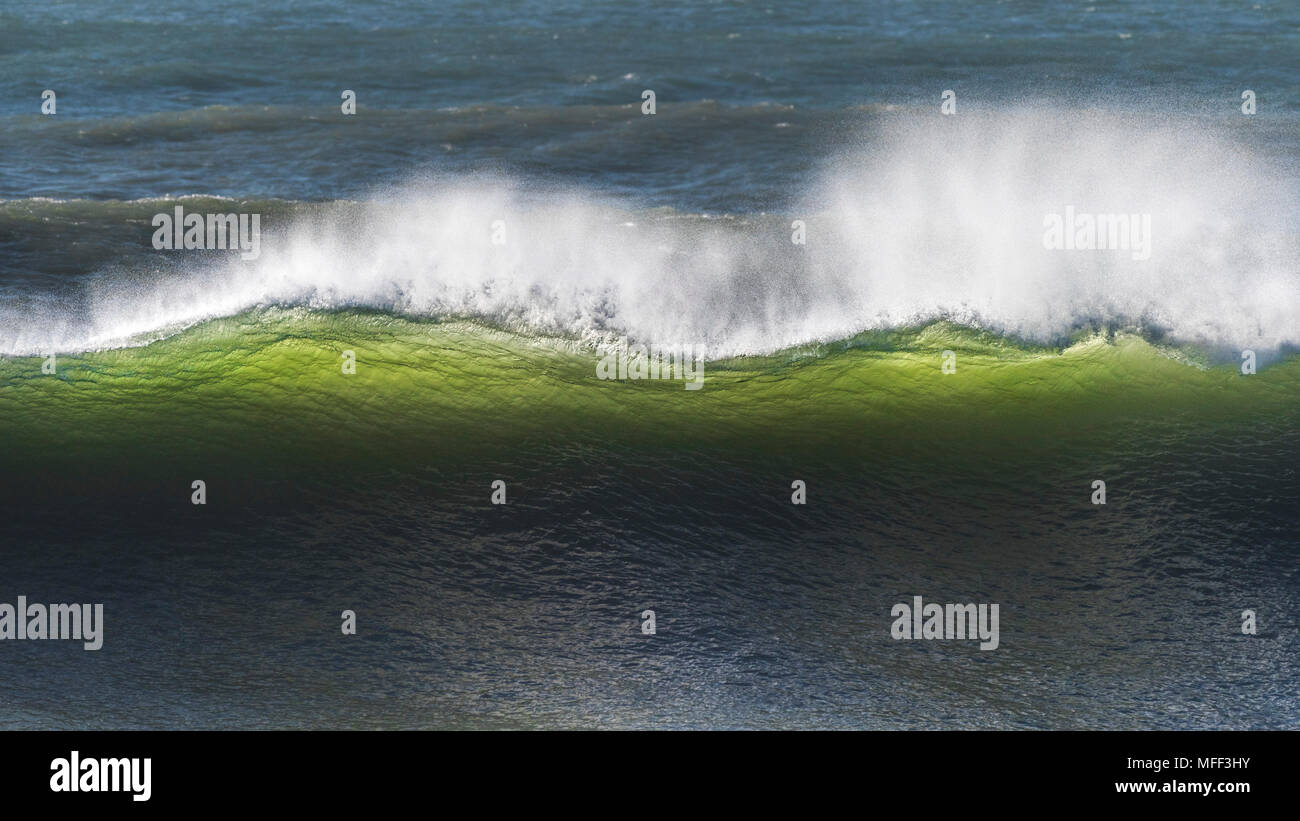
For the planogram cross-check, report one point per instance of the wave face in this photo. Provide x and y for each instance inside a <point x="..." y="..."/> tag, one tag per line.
<point x="931" y="218"/>
<point x="271" y="380"/>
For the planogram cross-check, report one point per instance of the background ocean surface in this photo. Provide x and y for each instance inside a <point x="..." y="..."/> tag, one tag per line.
<point x="476" y="362"/>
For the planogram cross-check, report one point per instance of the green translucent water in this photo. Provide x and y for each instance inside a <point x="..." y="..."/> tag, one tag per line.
<point x="268" y="388"/>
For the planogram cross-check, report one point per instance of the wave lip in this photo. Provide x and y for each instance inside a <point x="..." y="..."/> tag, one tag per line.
<point x="933" y="218"/>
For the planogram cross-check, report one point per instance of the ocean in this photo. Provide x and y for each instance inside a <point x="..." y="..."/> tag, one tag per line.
<point x="902" y="282"/>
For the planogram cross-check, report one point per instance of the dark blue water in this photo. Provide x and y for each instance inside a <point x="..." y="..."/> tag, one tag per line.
<point x="243" y="100"/>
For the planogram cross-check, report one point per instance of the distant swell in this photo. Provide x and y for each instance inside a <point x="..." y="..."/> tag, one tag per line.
<point x="929" y="218"/>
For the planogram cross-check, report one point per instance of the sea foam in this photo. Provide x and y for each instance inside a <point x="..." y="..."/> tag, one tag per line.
<point x="927" y="217"/>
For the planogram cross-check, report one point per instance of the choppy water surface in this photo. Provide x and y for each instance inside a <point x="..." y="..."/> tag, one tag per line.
<point x="477" y="362"/>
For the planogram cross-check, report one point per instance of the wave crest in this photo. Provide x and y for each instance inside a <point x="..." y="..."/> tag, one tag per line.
<point x="929" y="218"/>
